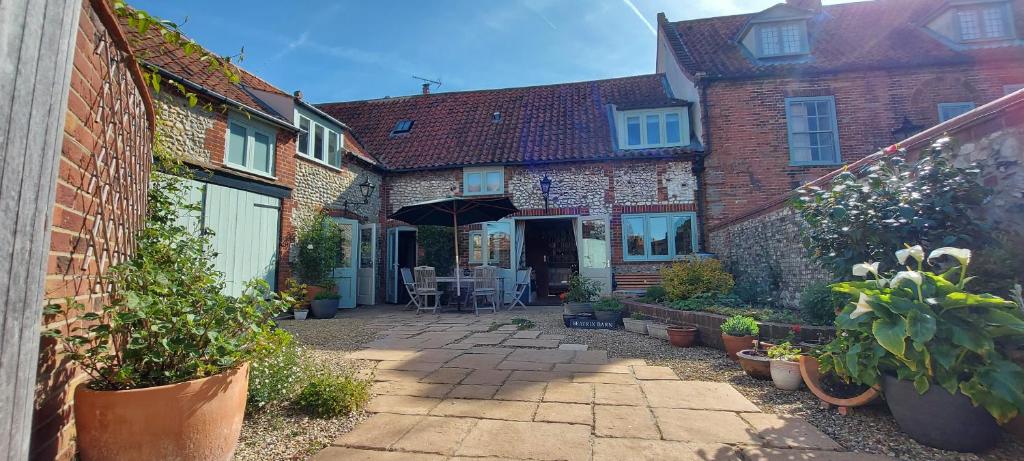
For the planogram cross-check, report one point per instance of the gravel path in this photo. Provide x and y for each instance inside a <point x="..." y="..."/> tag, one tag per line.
<point x="868" y="429"/>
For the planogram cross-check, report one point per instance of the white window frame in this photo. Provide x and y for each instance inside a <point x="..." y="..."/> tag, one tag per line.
<point x="328" y="132"/>
<point x="961" y="107"/>
<point x="778" y="26"/>
<point x="684" y="127"/>
<point x="977" y="10"/>
<point x="646" y="217"/>
<point x="835" y="131"/>
<point x="485" y="242"/>
<point x="251" y="128"/>
<point x="483" y="172"/>
<point x="474" y="246"/>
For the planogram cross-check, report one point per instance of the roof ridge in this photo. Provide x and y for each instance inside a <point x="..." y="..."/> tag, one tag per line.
<point x="489" y="90"/>
<point x="831" y="6"/>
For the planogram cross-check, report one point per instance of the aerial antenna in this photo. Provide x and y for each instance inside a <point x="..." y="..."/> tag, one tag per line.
<point x="427" y="82"/>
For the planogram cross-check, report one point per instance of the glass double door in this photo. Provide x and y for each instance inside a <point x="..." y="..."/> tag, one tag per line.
<point x="355" y="273"/>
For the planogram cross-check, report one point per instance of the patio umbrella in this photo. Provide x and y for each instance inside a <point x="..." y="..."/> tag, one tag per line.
<point x="454" y="212"/>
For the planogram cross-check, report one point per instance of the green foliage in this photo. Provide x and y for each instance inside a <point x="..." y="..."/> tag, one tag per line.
<point x="320" y="242"/>
<point x="655" y="293"/>
<point x="326" y="294"/>
<point x="862" y="219"/>
<point x="740" y="325"/>
<point x="703" y="301"/>
<point x="818" y="303"/>
<point x="731" y="305"/>
<point x="523" y="324"/>
<point x="582" y="289"/>
<point x="784" y="351"/>
<point x="438" y="247"/>
<point x="636" y="316"/>
<point x="294" y="295"/>
<point x="924" y="327"/>
<point x="683" y="280"/>
<point x="1000" y="264"/>
<point x="276" y="369"/>
<point x="608" y="303"/>
<point x="166" y="321"/>
<point x="328" y="395"/>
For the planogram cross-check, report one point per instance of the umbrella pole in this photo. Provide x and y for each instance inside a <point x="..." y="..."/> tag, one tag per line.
<point x="458" y="268"/>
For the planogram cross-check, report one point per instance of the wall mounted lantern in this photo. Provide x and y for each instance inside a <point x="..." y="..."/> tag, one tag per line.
<point x="545" y="190"/>
<point x="366" y="190"/>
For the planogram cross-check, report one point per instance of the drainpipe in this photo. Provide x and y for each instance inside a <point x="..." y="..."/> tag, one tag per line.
<point x="698" y="162"/>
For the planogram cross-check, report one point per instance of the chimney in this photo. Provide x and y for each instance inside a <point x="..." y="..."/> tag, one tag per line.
<point x="426" y="88"/>
<point x="297" y="94"/>
<point x="812" y="5"/>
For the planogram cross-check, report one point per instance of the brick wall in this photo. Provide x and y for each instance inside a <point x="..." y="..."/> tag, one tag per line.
<point x="748" y="161"/>
<point x="100" y="203"/>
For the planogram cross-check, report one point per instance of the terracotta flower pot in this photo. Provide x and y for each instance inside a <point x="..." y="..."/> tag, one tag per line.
<point x="198" y="419"/>
<point x="658" y="330"/>
<point x="786" y="374"/>
<point x="734" y="344"/>
<point x="811" y="372"/>
<point x="682" y="336"/>
<point x="756" y="366"/>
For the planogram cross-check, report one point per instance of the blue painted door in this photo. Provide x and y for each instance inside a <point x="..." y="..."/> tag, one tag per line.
<point x="345" y="273"/>
<point x="391" y="268"/>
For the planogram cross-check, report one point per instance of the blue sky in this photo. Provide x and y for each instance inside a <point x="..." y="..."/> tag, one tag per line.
<point x="339" y="51"/>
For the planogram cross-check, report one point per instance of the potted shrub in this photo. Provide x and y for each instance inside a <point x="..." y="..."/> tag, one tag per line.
<point x="682" y="335"/>
<point x="936" y="349"/>
<point x="581" y="294"/>
<point x="320" y="243"/>
<point x="738" y="333"/>
<point x="167" y="352"/>
<point x="785" y="366"/>
<point x="608" y="309"/>
<point x="635" y="323"/>
<point x="294" y="296"/>
<point x="325" y="303"/>
<point x="755" y="363"/>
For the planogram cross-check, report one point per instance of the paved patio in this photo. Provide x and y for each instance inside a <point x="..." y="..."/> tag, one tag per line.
<point x="458" y="386"/>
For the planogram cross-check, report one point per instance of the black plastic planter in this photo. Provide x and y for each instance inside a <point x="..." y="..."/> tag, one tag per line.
<point x="608" y="316"/>
<point x="940" y="419"/>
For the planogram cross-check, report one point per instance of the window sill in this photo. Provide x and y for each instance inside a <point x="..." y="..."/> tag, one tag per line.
<point x="482" y="194"/>
<point x="318" y="163"/>
<point x="245" y="170"/>
<point x="815" y="164"/>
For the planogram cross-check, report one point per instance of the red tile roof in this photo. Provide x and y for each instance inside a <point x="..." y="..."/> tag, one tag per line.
<point x="550" y="123"/>
<point x="850" y="36"/>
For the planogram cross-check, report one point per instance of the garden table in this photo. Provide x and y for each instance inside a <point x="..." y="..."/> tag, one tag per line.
<point x="467" y="281"/>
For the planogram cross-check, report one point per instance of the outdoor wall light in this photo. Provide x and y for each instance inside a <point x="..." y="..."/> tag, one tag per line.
<point x="545" y="190"/>
<point x="366" y="190"/>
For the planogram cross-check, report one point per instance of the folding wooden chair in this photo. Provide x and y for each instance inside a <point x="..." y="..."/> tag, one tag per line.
<point x="426" y="285"/>
<point x="410" y="287"/>
<point x="522" y="283"/>
<point x="485" y="283"/>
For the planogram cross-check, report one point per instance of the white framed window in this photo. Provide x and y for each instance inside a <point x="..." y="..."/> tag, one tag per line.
<point x="782" y="39"/>
<point x="319" y="142"/>
<point x="949" y="110"/>
<point x="476" y="246"/>
<point x="483" y="181"/>
<point x="813" y="131"/>
<point x="984" y="22"/>
<point x="492" y="244"/>
<point x="641" y="129"/>
<point x="658" y="236"/>
<point x="250" y="147"/>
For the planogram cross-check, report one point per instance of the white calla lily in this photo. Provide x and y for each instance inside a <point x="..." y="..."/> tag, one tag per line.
<point x="862" y="307"/>
<point x="863" y="269"/>
<point x="961" y="254"/>
<point x="913" y="276"/>
<point x="915" y="252"/>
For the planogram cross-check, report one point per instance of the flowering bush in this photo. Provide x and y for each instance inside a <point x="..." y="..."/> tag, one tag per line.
<point x="581" y="289"/>
<point x="925" y="327"/>
<point x="683" y="280"/>
<point x="276" y="370"/>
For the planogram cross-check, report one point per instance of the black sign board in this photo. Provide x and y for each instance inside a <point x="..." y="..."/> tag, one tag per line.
<point x="590" y="324"/>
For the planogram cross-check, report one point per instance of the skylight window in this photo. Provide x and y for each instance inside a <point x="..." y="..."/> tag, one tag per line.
<point x="403" y="126"/>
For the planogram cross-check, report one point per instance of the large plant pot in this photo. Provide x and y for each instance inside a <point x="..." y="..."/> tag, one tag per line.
<point x="786" y="374"/>
<point x="579" y="308"/>
<point x="324" y="308"/>
<point x="300" y="314"/>
<point x="635" y="326"/>
<point x="198" y="419"/>
<point x="608" y="316"/>
<point x="658" y="330"/>
<point x="312" y="291"/>
<point x="734" y="344"/>
<point x="940" y="419"/>
<point x="756" y="366"/>
<point x="682" y="336"/>
<point x="810" y="370"/>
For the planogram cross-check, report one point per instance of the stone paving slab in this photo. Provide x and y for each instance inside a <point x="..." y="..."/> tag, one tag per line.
<point x="544" y="356"/>
<point x="631" y="449"/>
<point x="590" y="368"/>
<point x="569" y="392"/>
<point x="477" y="361"/>
<point x="698" y="395"/>
<point x="524" y="366"/>
<point x="620" y="421"/>
<point x="473" y="391"/>
<point x="492" y="377"/>
<point x="380" y="354"/>
<point x="398" y="375"/>
<point x="592" y="357"/>
<point x="704" y="426"/>
<point x="353" y="454"/>
<point x="606" y="378"/>
<point x="528" y="440"/>
<point x="646" y="372"/>
<point x="521" y="390"/>
<point x="574" y="413"/>
<point x="573" y="347"/>
<point x="789" y="432"/>
<point x="772" y="454"/>
<point x="379" y="431"/>
<point x="527" y="334"/>
<point x="436" y="355"/>
<point x="401" y="404"/>
<point x="436" y="435"/>
<point x="490" y="409"/>
<point x="502" y="351"/>
<point x="545" y="343"/>
<point x="447" y="376"/>
<point x="619" y="394"/>
<point x="408" y="365"/>
<point x="413" y="389"/>
<point x="540" y="376"/>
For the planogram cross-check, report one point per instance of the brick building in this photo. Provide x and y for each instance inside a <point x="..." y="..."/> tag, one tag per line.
<point x="785" y="95"/>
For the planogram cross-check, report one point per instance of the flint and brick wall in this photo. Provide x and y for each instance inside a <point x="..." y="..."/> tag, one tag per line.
<point x="748" y="162"/>
<point x="100" y="203"/>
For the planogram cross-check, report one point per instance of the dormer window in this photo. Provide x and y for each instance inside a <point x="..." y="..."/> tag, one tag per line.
<point x="983" y="22"/>
<point x="782" y="39"/>
<point x="642" y="129"/>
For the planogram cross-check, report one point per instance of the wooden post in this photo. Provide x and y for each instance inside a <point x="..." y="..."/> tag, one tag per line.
<point x="37" y="43"/>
